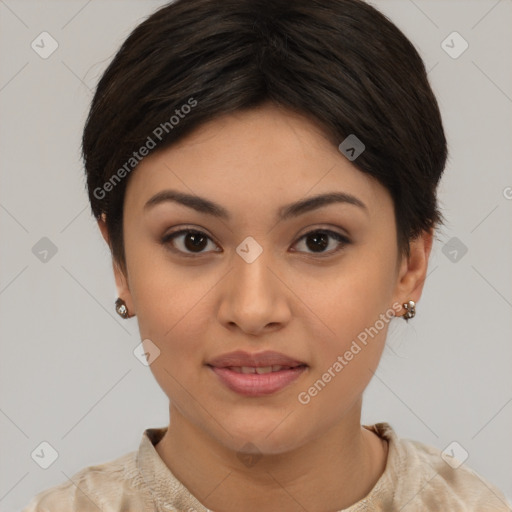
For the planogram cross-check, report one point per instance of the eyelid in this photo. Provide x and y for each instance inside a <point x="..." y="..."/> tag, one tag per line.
<point x="326" y="229"/>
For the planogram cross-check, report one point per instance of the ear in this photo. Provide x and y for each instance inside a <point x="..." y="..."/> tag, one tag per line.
<point x="122" y="284"/>
<point x="413" y="270"/>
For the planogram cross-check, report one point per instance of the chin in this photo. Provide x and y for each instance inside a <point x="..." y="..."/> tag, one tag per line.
<point x="252" y="434"/>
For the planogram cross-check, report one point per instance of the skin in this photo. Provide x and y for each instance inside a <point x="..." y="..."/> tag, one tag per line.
<point x="291" y="299"/>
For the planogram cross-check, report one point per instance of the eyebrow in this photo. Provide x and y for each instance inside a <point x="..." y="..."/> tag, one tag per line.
<point x="203" y="205"/>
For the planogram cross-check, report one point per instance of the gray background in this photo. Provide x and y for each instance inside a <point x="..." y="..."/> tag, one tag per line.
<point x="68" y="373"/>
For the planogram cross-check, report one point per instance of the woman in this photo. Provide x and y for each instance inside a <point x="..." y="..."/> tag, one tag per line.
<point x="265" y="176"/>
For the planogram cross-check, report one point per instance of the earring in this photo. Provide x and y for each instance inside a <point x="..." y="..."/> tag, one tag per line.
<point x="121" y="308"/>
<point x="410" y="309"/>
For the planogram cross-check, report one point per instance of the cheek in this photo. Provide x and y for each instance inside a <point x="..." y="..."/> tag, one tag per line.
<point x="174" y="312"/>
<point x="354" y="311"/>
<point x="345" y="361"/>
<point x="176" y="324"/>
<point x="352" y="296"/>
<point x="175" y="320"/>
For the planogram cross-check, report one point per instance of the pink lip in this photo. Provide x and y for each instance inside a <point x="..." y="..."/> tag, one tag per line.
<point x="257" y="359"/>
<point x="254" y="384"/>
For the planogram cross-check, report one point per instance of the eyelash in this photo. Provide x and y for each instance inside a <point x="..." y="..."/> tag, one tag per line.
<point x="341" y="239"/>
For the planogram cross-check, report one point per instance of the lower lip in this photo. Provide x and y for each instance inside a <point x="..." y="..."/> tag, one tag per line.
<point x="254" y="384"/>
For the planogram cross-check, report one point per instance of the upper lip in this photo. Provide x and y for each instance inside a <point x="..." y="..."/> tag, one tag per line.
<point x="256" y="360"/>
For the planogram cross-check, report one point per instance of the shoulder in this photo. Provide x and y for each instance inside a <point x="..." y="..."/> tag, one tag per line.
<point x="427" y="478"/>
<point x="98" y="487"/>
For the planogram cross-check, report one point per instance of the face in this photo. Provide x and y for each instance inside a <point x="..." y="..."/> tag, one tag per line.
<point x="307" y="282"/>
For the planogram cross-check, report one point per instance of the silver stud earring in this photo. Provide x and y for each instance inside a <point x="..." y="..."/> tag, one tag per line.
<point x="121" y="308"/>
<point x="410" y="309"/>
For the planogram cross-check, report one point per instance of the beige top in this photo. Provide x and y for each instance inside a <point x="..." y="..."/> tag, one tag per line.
<point x="416" y="479"/>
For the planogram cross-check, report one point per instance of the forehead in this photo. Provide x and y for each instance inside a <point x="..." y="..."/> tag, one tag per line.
<point x="260" y="157"/>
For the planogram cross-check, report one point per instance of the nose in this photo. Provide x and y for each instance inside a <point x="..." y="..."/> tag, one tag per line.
<point x="254" y="297"/>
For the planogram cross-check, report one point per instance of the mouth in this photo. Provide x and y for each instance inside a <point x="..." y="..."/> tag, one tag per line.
<point x="260" y="370"/>
<point x="254" y="381"/>
<point x="256" y="374"/>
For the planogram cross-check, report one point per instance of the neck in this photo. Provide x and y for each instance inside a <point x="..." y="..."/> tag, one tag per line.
<point x="330" y="472"/>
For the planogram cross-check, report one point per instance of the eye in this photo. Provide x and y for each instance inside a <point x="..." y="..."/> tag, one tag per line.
<point x="187" y="240"/>
<point x="190" y="241"/>
<point x="318" y="239"/>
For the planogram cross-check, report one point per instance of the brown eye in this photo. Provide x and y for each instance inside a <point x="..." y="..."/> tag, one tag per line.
<point x="190" y="242"/>
<point x="187" y="241"/>
<point x="318" y="240"/>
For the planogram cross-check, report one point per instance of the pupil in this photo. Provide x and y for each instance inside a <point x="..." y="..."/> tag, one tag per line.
<point x="195" y="240"/>
<point x="323" y="243"/>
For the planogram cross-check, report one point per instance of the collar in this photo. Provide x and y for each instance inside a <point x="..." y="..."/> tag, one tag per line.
<point x="167" y="491"/>
<point x="170" y="494"/>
